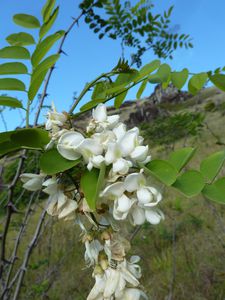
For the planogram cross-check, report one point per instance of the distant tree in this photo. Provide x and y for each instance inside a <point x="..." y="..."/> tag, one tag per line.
<point x="136" y="26"/>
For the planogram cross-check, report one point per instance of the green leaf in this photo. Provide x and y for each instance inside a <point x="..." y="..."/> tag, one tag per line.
<point x="48" y="162"/>
<point x="190" y="183"/>
<point x="162" y="75"/>
<point x="39" y="74"/>
<point x="6" y="145"/>
<point x="215" y="191"/>
<point x="179" y="78"/>
<point x="120" y="98"/>
<point x="48" y="25"/>
<point x="14" y="52"/>
<point x="218" y="80"/>
<point x="115" y="89"/>
<point x="91" y="104"/>
<point x="13" y="68"/>
<point x="44" y="46"/>
<point x="44" y="65"/>
<point x="47" y="9"/>
<point x="211" y="166"/>
<point x="20" y="39"/>
<point x="5" y="136"/>
<point x="181" y="157"/>
<point x="89" y="183"/>
<point x="34" y="138"/>
<point x="10" y="101"/>
<point x="125" y="78"/>
<point x="141" y="88"/>
<point x="148" y="69"/>
<point x="197" y="82"/>
<point x="27" y="21"/>
<point x="98" y="90"/>
<point x="11" y="84"/>
<point x="163" y="171"/>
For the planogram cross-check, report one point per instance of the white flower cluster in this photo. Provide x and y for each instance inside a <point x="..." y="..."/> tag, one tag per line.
<point x="126" y="195"/>
<point x="108" y="142"/>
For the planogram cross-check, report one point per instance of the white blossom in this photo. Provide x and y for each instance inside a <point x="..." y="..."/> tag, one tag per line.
<point x="32" y="182"/>
<point x="55" y="119"/>
<point x="112" y="283"/>
<point x="92" y="249"/>
<point x="100" y="119"/>
<point x="59" y="204"/>
<point x="68" y="145"/>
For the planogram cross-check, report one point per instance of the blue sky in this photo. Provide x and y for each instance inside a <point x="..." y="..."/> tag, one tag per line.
<point x="88" y="56"/>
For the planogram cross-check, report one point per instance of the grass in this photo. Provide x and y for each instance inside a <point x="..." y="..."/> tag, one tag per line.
<point x="183" y="256"/>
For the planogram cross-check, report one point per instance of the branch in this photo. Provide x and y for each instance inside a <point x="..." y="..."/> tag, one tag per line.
<point x="10" y="210"/>
<point x="17" y="243"/>
<point x="27" y="255"/>
<point x="44" y="93"/>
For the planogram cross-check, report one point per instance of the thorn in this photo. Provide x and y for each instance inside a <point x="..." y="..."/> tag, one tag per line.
<point x="13" y="208"/>
<point x="61" y="51"/>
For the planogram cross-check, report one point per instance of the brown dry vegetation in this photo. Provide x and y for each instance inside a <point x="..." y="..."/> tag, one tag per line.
<point x="182" y="258"/>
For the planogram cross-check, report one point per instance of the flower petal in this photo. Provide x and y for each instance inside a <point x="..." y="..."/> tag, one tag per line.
<point x="121" y="166"/>
<point x="100" y="113"/>
<point x="139" y="153"/>
<point x="153" y="216"/>
<point x="114" y="190"/>
<point x="68" y="144"/>
<point x="111" y="153"/>
<point x="138" y="215"/>
<point x="119" y="130"/>
<point x="113" y="120"/>
<point x="113" y="277"/>
<point x="134" y="181"/>
<point x="70" y="207"/>
<point x="123" y="203"/>
<point x="128" y="142"/>
<point x="144" y="196"/>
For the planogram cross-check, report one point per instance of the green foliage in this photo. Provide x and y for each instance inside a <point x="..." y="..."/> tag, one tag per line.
<point x="215" y="191"/>
<point x="166" y="130"/>
<point x="197" y="82"/>
<point x="49" y="23"/>
<point x="39" y="74"/>
<point x="211" y="166"/>
<point x="14" y="52"/>
<point x="47" y="9"/>
<point x="10" y="101"/>
<point x="20" y="39"/>
<point x="48" y="162"/>
<point x="190" y="183"/>
<point x="44" y="46"/>
<point x="26" y="21"/>
<point x="13" y="68"/>
<point x="89" y="183"/>
<point x="180" y="158"/>
<point x="162" y="170"/>
<point x="210" y="106"/>
<point x="218" y="80"/>
<point x="35" y="138"/>
<point x="135" y="26"/>
<point x="11" y="84"/>
<point x="17" y="50"/>
<point x="179" y="78"/>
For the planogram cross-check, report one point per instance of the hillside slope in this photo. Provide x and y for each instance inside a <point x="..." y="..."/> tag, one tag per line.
<point x="182" y="258"/>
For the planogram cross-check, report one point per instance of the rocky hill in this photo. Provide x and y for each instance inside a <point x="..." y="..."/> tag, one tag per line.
<point x="147" y="109"/>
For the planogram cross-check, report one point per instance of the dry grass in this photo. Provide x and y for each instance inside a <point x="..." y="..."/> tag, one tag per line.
<point x="182" y="258"/>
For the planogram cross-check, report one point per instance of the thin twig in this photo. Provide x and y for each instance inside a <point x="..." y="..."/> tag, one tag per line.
<point x="27" y="255"/>
<point x="44" y="93"/>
